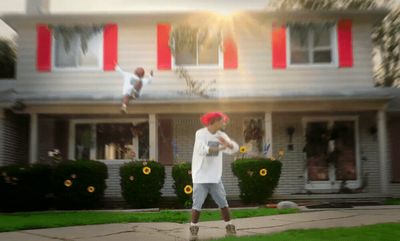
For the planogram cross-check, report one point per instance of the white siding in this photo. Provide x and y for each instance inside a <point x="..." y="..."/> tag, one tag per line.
<point x="14" y="139"/>
<point x="138" y="47"/>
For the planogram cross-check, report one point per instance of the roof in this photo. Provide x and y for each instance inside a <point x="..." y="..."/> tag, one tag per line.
<point x="375" y="14"/>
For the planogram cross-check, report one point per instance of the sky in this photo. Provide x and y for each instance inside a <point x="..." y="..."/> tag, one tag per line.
<point x="91" y="6"/>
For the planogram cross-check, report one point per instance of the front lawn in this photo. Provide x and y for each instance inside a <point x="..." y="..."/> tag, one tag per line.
<point x="34" y="220"/>
<point x="392" y="201"/>
<point x="381" y="232"/>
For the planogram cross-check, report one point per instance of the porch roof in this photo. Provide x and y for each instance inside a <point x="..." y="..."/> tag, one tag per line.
<point x="259" y="94"/>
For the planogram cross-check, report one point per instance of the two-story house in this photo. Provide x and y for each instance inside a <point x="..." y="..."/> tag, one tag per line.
<point x="298" y="81"/>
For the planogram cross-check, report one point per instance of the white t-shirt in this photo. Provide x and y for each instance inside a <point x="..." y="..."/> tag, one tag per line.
<point x="130" y="80"/>
<point x="207" y="168"/>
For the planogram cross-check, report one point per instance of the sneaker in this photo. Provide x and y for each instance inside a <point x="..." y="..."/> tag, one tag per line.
<point x="230" y="230"/>
<point x="194" y="230"/>
<point x="123" y="109"/>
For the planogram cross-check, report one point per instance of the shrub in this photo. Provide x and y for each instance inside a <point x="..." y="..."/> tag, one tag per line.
<point x="142" y="190"/>
<point x="25" y="187"/>
<point x="182" y="175"/>
<point x="79" y="184"/>
<point x="255" y="188"/>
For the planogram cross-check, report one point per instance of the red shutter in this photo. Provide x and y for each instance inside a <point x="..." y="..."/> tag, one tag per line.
<point x="110" y="47"/>
<point x="163" y="50"/>
<point x="43" y="51"/>
<point x="230" y="53"/>
<point x="345" y="47"/>
<point x="278" y="47"/>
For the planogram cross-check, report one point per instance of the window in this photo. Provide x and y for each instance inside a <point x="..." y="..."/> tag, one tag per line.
<point x="196" y="47"/>
<point x="311" y="44"/>
<point x="78" y="47"/>
<point x="111" y="141"/>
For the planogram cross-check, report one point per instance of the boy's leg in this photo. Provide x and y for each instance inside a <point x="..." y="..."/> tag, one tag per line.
<point x="125" y="102"/>
<point x="218" y="193"/>
<point x="200" y="192"/>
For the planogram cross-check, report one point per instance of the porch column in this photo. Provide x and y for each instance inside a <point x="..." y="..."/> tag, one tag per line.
<point x="268" y="132"/>
<point x="382" y="144"/>
<point x="33" y="139"/>
<point x="153" y="137"/>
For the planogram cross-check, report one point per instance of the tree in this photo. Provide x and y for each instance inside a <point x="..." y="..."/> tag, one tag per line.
<point x="385" y="36"/>
<point x="7" y="59"/>
<point x="324" y="4"/>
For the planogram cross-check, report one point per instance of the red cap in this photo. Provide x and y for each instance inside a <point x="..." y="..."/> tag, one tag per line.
<point x="207" y="118"/>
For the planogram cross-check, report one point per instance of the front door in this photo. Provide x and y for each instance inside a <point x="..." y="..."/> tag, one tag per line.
<point x="331" y="154"/>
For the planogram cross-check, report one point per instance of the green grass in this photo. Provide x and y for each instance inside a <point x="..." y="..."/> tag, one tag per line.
<point x="381" y="232"/>
<point x="392" y="201"/>
<point x="34" y="220"/>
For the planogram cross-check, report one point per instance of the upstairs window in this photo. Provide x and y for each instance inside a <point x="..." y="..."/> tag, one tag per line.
<point x="78" y="47"/>
<point x="195" y="46"/>
<point x="311" y="44"/>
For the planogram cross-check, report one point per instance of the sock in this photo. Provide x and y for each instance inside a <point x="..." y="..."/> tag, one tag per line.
<point x="228" y="223"/>
<point x="193" y="224"/>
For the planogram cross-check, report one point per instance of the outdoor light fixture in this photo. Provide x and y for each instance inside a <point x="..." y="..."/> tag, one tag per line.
<point x="373" y="131"/>
<point x="290" y="131"/>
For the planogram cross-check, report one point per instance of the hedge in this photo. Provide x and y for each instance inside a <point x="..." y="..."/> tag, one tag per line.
<point x="141" y="183"/>
<point x="25" y="187"/>
<point x="183" y="186"/>
<point x="258" y="178"/>
<point x="79" y="184"/>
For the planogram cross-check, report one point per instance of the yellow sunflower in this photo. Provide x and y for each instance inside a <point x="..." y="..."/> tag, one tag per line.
<point x="263" y="172"/>
<point x="188" y="189"/>
<point x="67" y="183"/>
<point x="91" y="189"/>
<point x="146" y="170"/>
<point x="281" y="153"/>
<point x="243" y="149"/>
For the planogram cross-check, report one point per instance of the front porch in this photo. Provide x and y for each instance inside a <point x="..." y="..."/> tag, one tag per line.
<point x="171" y="128"/>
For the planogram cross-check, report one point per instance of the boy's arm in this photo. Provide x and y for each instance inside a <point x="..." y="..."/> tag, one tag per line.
<point x="121" y="71"/>
<point x="148" y="79"/>
<point x="231" y="146"/>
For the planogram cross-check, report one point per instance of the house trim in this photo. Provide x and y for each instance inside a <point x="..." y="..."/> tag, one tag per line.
<point x="193" y="107"/>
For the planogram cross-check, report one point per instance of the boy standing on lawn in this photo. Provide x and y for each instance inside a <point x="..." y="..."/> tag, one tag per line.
<point x="209" y="145"/>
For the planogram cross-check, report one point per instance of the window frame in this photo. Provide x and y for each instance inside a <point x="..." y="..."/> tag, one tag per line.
<point x="97" y="68"/>
<point x="334" y="50"/>
<point x="220" y="64"/>
<point x="93" y="149"/>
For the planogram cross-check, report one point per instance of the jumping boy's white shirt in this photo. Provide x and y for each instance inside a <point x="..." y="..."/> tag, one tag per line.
<point x="130" y="80"/>
<point x="205" y="168"/>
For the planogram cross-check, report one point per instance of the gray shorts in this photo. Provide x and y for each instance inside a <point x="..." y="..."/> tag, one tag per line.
<point x="216" y="190"/>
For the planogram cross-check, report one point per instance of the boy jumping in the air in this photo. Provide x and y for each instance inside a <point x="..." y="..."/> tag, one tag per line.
<point x="133" y="83"/>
